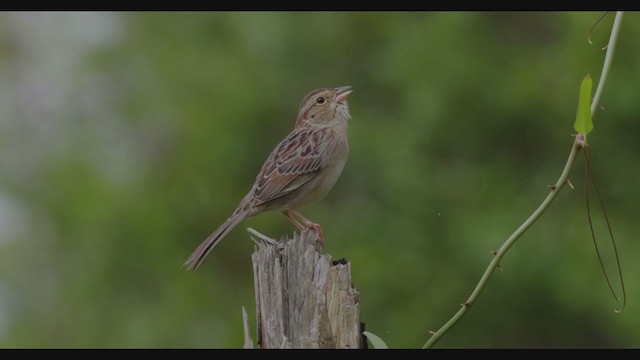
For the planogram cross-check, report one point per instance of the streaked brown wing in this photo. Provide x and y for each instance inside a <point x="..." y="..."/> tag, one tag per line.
<point x="296" y="160"/>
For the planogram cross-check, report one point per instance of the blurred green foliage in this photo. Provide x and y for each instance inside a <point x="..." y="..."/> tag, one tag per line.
<point x="127" y="138"/>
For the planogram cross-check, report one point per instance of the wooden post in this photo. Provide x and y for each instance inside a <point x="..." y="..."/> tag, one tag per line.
<point x="303" y="298"/>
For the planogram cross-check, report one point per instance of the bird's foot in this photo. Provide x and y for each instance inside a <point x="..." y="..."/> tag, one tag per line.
<point x="305" y="224"/>
<point x="317" y="228"/>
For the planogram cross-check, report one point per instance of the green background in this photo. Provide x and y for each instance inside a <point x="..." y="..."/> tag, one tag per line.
<point x="127" y="138"/>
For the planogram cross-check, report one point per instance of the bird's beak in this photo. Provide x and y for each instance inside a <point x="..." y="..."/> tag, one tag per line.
<point x="343" y="92"/>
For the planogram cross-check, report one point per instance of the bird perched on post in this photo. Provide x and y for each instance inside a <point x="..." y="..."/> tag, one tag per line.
<point x="300" y="170"/>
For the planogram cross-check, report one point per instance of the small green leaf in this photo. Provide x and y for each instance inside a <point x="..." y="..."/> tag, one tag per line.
<point x="584" y="123"/>
<point x="375" y="341"/>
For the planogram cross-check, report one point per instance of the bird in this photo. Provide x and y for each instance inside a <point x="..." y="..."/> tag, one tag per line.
<point x="300" y="170"/>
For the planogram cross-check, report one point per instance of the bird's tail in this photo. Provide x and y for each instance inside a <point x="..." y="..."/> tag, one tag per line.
<point x="200" y="253"/>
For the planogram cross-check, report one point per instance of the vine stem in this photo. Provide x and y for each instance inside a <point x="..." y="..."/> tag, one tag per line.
<point x="611" y="48"/>
<point x="578" y="143"/>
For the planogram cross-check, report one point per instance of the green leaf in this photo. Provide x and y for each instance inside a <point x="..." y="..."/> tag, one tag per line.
<point x="375" y="341"/>
<point x="584" y="123"/>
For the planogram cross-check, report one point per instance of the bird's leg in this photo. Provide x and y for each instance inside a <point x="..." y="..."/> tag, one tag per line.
<point x="295" y="222"/>
<point x="309" y="225"/>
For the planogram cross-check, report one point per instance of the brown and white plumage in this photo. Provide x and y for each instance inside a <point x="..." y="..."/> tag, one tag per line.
<point x="301" y="169"/>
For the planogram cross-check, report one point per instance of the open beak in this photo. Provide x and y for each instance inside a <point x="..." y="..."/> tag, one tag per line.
<point x="343" y="92"/>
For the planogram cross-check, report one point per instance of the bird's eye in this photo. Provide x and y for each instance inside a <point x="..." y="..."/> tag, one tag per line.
<point x="320" y="100"/>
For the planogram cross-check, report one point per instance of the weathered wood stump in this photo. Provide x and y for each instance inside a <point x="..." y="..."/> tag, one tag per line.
<point x="304" y="299"/>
